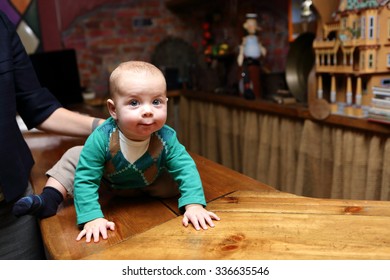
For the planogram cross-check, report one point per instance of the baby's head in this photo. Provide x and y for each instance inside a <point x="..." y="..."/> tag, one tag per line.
<point x="119" y="79"/>
<point x="138" y="99"/>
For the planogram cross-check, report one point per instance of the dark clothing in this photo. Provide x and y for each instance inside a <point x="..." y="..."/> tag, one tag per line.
<point x="20" y="238"/>
<point x="20" y="92"/>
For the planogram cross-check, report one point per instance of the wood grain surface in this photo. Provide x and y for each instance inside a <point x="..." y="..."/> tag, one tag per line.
<point x="269" y="225"/>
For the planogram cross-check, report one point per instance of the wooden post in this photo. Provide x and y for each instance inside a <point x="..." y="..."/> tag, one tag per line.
<point x="319" y="88"/>
<point x="358" y="98"/>
<point x="348" y="106"/>
<point x="333" y="89"/>
<point x="333" y="104"/>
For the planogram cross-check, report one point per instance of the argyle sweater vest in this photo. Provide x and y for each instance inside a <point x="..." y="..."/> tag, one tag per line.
<point x="101" y="156"/>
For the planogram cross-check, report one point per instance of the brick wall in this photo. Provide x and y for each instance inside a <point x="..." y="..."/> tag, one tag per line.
<point x="113" y="33"/>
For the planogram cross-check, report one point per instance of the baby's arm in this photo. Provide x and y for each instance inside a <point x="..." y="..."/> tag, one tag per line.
<point x="198" y="216"/>
<point x="95" y="228"/>
<point x="89" y="171"/>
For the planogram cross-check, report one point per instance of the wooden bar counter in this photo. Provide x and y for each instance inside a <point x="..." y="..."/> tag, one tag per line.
<point x="131" y="216"/>
<point x="269" y="225"/>
<point x="257" y="221"/>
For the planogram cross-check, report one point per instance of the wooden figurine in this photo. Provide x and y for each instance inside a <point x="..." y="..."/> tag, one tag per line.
<point x="248" y="58"/>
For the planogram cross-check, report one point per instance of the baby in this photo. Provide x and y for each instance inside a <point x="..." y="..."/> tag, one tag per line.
<point x="129" y="152"/>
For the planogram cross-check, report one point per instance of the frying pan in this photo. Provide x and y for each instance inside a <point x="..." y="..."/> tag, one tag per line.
<point x="300" y="61"/>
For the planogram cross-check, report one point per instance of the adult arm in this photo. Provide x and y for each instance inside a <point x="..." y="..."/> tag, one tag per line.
<point x="35" y="104"/>
<point x="66" y="122"/>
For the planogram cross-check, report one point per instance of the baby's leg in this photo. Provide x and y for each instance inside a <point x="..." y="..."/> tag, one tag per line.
<point x="61" y="175"/>
<point x="59" y="184"/>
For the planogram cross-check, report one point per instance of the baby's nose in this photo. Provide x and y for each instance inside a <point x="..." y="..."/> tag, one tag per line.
<point x="147" y="111"/>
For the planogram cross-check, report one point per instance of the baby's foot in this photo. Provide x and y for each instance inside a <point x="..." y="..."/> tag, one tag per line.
<point x="28" y="205"/>
<point x="42" y="206"/>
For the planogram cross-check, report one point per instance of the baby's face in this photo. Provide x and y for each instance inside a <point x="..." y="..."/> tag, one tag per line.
<point x="141" y="105"/>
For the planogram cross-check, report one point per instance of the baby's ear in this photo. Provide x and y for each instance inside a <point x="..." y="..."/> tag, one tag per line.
<point x="111" y="108"/>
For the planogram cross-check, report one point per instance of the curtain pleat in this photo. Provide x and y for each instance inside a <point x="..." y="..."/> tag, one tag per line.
<point x="385" y="191"/>
<point x="292" y="155"/>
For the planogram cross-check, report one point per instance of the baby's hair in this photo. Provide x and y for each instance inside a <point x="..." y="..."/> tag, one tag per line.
<point x="131" y="67"/>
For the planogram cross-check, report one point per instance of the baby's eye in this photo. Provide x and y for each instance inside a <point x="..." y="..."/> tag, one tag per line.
<point x="134" y="103"/>
<point x="157" y="102"/>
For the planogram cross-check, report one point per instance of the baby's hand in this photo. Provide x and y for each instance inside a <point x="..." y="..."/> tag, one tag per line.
<point x="198" y="216"/>
<point x="95" y="228"/>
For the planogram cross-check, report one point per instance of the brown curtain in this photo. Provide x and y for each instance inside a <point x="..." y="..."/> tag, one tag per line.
<point x="172" y="111"/>
<point x="341" y="163"/>
<point x="292" y="155"/>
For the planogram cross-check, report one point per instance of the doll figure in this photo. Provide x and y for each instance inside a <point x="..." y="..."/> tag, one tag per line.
<point x="248" y="58"/>
<point x="251" y="48"/>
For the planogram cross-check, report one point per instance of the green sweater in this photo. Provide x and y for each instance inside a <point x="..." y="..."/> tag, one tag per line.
<point x="101" y="156"/>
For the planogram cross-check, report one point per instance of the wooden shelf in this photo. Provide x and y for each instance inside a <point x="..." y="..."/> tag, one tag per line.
<point x="290" y="110"/>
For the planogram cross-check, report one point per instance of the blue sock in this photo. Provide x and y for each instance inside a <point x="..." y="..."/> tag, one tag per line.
<point x="41" y="206"/>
